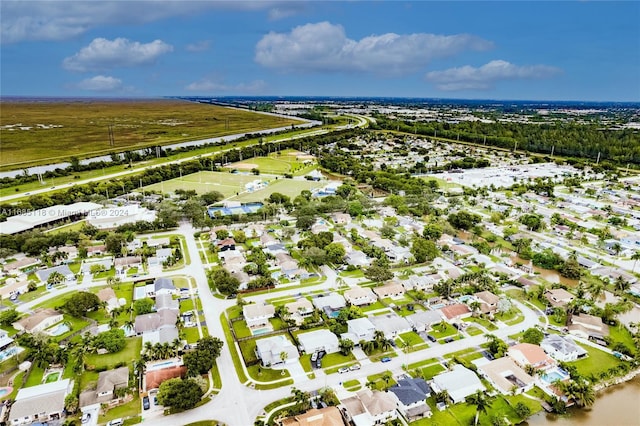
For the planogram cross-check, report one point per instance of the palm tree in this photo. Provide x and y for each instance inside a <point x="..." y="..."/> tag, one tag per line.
<point x="475" y="307"/>
<point x="617" y="248"/>
<point x="481" y="402"/>
<point x="635" y="257"/>
<point x="595" y="290"/>
<point x="442" y="396"/>
<point x="378" y="338"/>
<point x="621" y="284"/>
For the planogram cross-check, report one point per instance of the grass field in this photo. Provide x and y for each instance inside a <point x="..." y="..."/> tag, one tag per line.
<point x="41" y="131"/>
<point x="201" y="182"/>
<point x="288" y="187"/>
<point x="288" y="161"/>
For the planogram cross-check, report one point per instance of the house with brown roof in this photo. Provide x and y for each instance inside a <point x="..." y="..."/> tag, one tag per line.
<point x="455" y="311"/>
<point x="226" y="244"/>
<point x="328" y="416"/>
<point x="110" y="380"/>
<point x="360" y="296"/>
<point x="506" y="376"/>
<point x="393" y="289"/>
<point x="153" y="379"/>
<point x="588" y="326"/>
<point x="108" y="296"/>
<point x="529" y="354"/>
<point x="39" y="321"/>
<point x="488" y="302"/>
<point x="15" y="267"/>
<point x="300" y="309"/>
<point x="123" y="263"/>
<point x="369" y="407"/>
<point x="558" y="297"/>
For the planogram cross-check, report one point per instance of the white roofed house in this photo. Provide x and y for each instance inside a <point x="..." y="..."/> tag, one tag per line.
<point x="424" y="320"/>
<point x="319" y="340"/>
<point x="163" y="254"/>
<point x="459" y="383"/>
<point x="44" y="274"/>
<point x="270" y="351"/>
<point x="391" y="325"/>
<point x="257" y="315"/>
<point x="506" y="376"/>
<point x="588" y="326"/>
<point x="123" y="263"/>
<point x="562" y="348"/>
<point x="357" y="258"/>
<point x="360" y="329"/>
<point x="368" y="408"/>
<point x="40" y="404"/>
<point x="329" y="303"/>
<point x="360" y="296"/>
<point x="299" y="310"/>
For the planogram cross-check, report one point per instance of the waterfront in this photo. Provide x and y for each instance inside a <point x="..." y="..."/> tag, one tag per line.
<point x="618" y="405"/>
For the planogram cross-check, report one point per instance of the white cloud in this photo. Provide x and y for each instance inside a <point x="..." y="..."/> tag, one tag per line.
<point x="482" y="78"/>
<point x="324" y="47"/>
<point x="53" y="20"/>
<point x="106" y="54"/>
<point x="100" y="83"/>
<point x="209" y="85"/>
<point x="199" y="46"/>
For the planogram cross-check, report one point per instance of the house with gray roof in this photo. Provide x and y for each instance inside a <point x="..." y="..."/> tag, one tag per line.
<point x="333" y="301"/>
<point x="411" y="395"/>
<point x="391" y="325"/>
<point x="459" y="383"/>
<point x="40" y="404"/>
<point x="562" y="348"/>
<point x="44" y="274"/>
<point x="110" y="380"/>
<point x="423" y="320"/>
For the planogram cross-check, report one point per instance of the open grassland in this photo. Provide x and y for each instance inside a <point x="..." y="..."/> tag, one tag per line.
<point x="288" y="187"/>
<point x="35" y="132"/>
<point x="287" y="161"/>
<point x="202" y="182"/>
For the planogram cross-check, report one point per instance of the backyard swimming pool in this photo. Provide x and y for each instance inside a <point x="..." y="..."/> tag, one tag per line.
<point x="5" y="391"/>
<point x="7" y="353"/>
<point x="554" y="375"/>
<point x="259" y="331"/>
<point x="58" y="330"/>
<point x="465" y="298"/>
<point x="438" y="306"/>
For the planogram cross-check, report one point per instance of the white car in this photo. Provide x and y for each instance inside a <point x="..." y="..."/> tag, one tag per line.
<point x="343" y="370"/>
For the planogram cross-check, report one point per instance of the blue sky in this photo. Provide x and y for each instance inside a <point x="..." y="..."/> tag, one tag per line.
<point x="488" y="50"/>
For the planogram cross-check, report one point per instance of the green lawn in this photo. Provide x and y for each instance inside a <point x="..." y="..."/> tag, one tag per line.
<point x="422" y="363"/>
<point x="597" y="362"/>
<point x="432" y="370"/>
<point x="241" y="329"/>
<point x="191" y="334"/>
<point x="276" y="164"/>
<point x="483" y="322"/>
<point x="335" y="359"/>
<point x="35" y="376"/>
<point x="412" y="338"/>
<point x="130" y="353"/>
<point x="440" y="333"/>
<point x="374" y="306"/>
<point x="263" y="374"/>
<point x="248" y="349"/>
<point x="237" y="362"/>
<point x="622" y="335"/>
<point x="202" y="182"/>
<point x="352" y="385"/>
<point x="288" y="187"/>
<point x="473" y="331"/>
<point x="130" y="409"/>
<point x="186" y="305"/>
<point x="380" y="382"/>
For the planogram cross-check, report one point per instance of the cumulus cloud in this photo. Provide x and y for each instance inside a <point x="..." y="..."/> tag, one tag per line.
<point x="208" y="85"/>
<point x="324" y="47"/>
<point x="52" y="20"/>
<point x="100" y="83"/>
<point x="482" y="78"/>
<point x="106" y="54"/>
<point x="199" y="46"/>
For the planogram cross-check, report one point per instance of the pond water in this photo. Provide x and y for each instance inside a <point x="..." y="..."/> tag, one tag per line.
<point x="547" y="274"/>
<point x="617" y="405"/>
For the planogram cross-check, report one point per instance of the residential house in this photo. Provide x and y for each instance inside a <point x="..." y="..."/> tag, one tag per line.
<point x="41" y="403"/>
<point x="97" y="250"/>
<point x="558" y="297"/>
<point x="105" y="262"/>
<point x="155" y="377"/>
<point x="276" y="350"/>
<point x="110" y="380"/>
<point x="71" y="252"/>
<point x="330" y="303"/>
<point x="257" y="315"/>
<point x="341" y="218"/>
<point x="424" y="320"/>
<point x="359" y="296"/>
<point x="20" y="264"/>
<point x="327" y="416"/>
<point x="360" y="329"/>
<point x="299" y="310"/>
<point x="391" y="325"/>
<point x="456" y="311"/>
<point x="164" y="254"/>
<point x="488" y="302"/>
<point x="562" y="348"/>
<point x="529" y="354"/>
<point x="159" y="286"/>
<point x="39" y="321"/>
<point x="44" y="274"/>
<point x="506" y="376"/>
<point x="319" y="340"/>
<point x="397" y="253"/>
<point x="369" y="408"/>
<point x="275" y="249"/>
<point x="393" y="289"/>
<point x="5" y="340"/>
<point x="108" y="296"/>
<point x="288" y="265"/>
<point x="411" y="395"/>
<point x="166" y="301"/>
<point x="157" y="327"/>
<point x="158" y="242"/>
<point x="123" y="263"/>
<point x="357" y="258"/>
<point x="13" y="287"/>
<point x="226" y="244"/>
<point x="459" y="383"/>
<point x="588" y="326"/>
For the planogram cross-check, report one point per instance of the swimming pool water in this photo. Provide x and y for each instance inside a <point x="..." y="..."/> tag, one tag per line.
<point x="438" y="306"/>
<point x="58" y="330"/>
<point x="8" y="353"/>
<point x="259" y="331"/>
<point x="554" y="375"/>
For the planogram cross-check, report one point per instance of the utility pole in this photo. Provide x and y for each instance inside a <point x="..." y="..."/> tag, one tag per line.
<point x="111" y="137"/>
<point x="598" y="159"/>
<point x="553" y="148"/>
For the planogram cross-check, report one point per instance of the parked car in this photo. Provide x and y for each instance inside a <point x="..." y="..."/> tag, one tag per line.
<point x="145" y="403"/>
<point x="430" y="337"/>
<point x="85" y="418"/>
<point x="314" y="356"/>
<point x="448" y="340"/>
<point x="354" y="367"/>
<point x="116" y="422"/>
<point x="385" y="359"/>
<point x="343" y="370"/>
